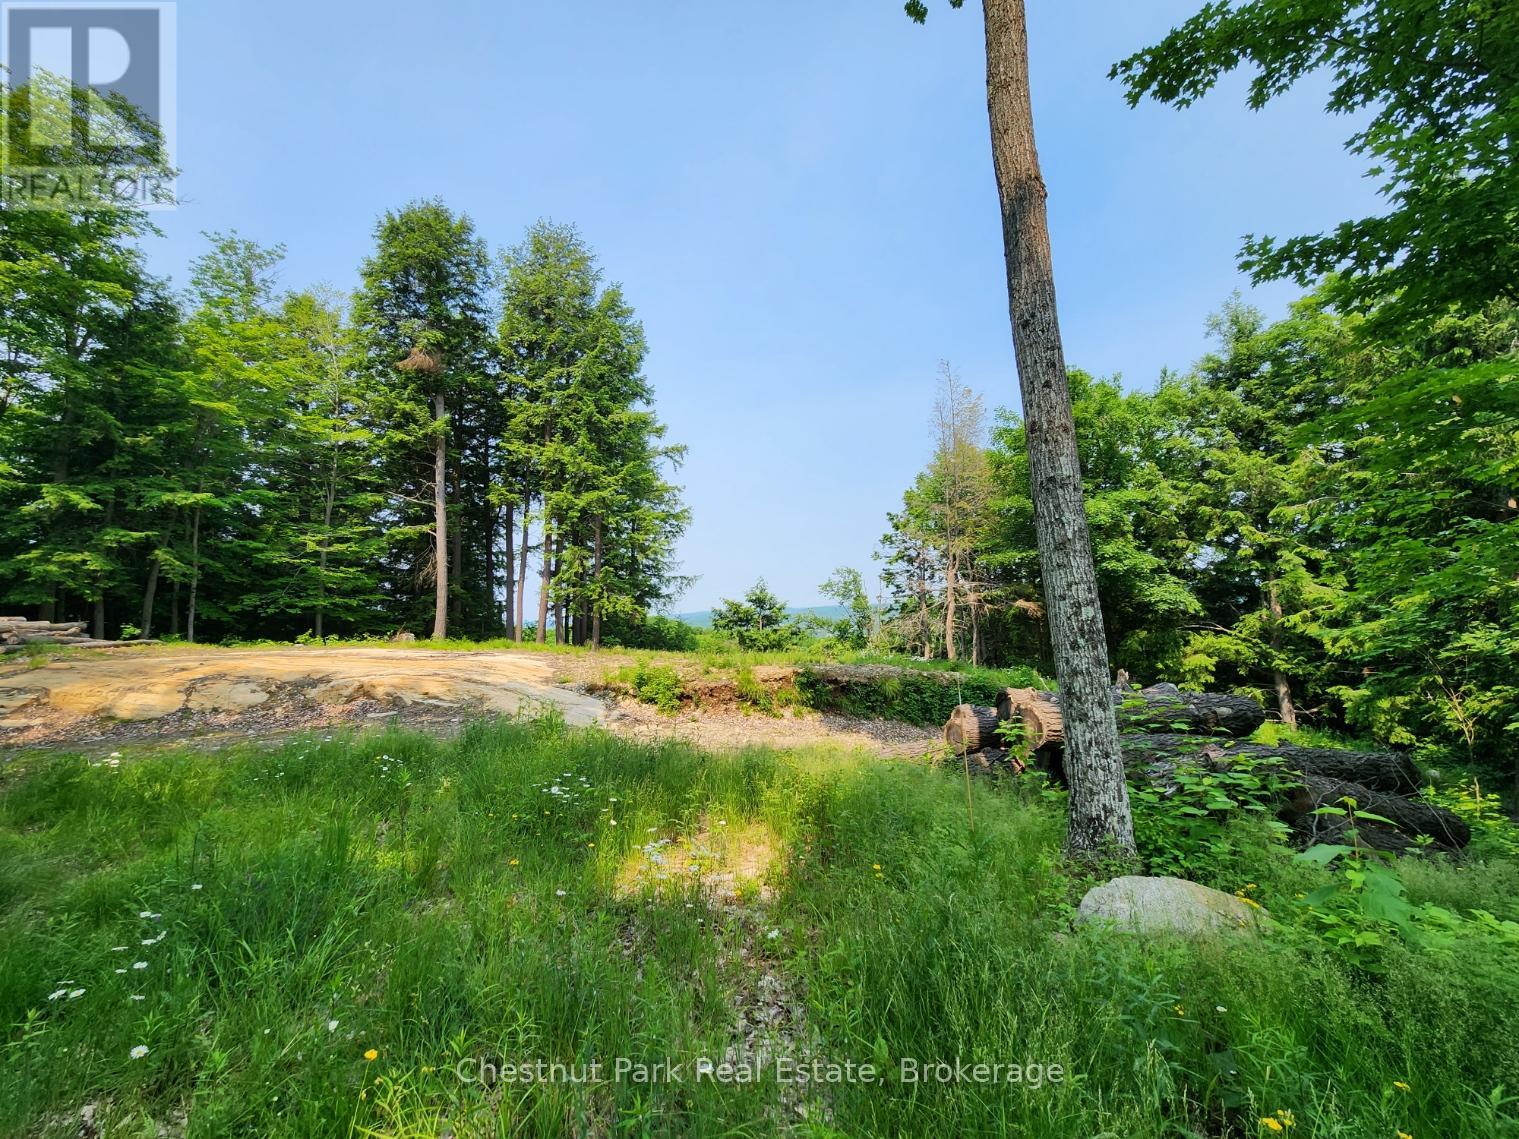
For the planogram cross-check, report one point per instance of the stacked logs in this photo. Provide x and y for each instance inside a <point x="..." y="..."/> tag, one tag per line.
<point x="1164" y="728"/>
<point x="18" y="632"/>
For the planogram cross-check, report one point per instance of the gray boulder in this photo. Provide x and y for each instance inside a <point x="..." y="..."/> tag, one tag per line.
<point x="1167" y="905"/>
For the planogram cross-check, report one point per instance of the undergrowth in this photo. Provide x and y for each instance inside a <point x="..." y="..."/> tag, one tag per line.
<point x="332" y="936"/>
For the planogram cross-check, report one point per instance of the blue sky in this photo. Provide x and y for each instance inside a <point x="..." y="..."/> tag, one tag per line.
<point x="797" y="197"/>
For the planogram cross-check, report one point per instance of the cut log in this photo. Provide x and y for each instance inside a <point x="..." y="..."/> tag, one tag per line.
<point x="1035" y="714"/>
<point x="971" y="727"/>
<point x="1408" y="817"/>
<point x="1159" y="708"/>
<point x="1387" y="771"/>
<point x="1166" y="708"/>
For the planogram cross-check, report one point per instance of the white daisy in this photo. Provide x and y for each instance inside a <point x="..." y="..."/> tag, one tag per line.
<point x="139" y="1052"/>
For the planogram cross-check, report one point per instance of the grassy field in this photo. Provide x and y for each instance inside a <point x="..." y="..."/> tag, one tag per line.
<point x="343" y="935"/>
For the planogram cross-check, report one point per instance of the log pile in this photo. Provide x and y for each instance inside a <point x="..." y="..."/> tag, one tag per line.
<point x="18" y="632"/>
<point x="1164" y="728"/>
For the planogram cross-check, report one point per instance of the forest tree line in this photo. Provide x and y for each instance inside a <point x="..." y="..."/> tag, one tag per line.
<point x="465" y="446"/>
<point x="1317" y="513"/>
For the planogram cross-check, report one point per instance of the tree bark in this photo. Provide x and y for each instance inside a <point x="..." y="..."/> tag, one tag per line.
<point x="97" y="625"/>
<point x="1100" y="821"/>
<point x="440" y="522"/>
<point x="149" y="594"/>
<point x="527" y="516"/>
<point x="509" y="529"/>
<point x="596" y="603"/>
<point x="949" y="608"/>
<point x="1284" y="705"/>
<point x="971" y="728"/>
<point x="194" y="577"/>
<point x="546" y="557"/>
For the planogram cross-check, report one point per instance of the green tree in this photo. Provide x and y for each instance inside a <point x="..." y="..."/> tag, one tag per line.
<point x="1100" y="817"/>
<point x="758" y="623"/>
<point x="421" y="317"/>
<point x="847" y="587"/>
<point x="1437" y="83"/>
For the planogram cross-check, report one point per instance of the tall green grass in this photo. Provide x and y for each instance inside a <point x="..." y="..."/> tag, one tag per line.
<point x="430" y="902"/>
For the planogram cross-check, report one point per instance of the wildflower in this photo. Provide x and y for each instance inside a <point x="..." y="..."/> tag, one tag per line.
<point x="1220" y="1008"/>
<point x="56" y="993"/>
<point x="1404" y="1135"/>
<point x="138" y="997"/>
<point x="139" y="964"/>
<point x="773" y="934"/>
<point x="1400" y="1085"/>
<point x="372" y="1055"/>
<point x="1287" y="1118"/>
<point x="558" y="893"/>
<point x="875" y="866"/>
<point x="195" y="885"/>
<point x="591" y="844"/>
<point x="118" y="949"/>
<point x="1271" y="1123"/>
<point x="120" y="971"/>
<point x="75" y="994"/>
<point x="139" y="1052"/>
<point x="513" y="862"/>
<point x="332" y="1026"/>
<point x="144" y="913"/>
<point x="1180" y="1010"/>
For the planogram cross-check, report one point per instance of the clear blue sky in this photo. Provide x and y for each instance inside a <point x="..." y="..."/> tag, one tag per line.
<point x="797" y="197"/>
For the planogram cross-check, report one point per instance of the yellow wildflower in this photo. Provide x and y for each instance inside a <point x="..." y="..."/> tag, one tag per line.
<point x="1271" y="1123"/>
<point x="1287" y="1118"/>
<point x="513" y="862"/>
<point x="1404" y="1135"/>
<point x="1400" y="1085"/>
<point x="875" y="866"/>
<point x="372" y="1055"/>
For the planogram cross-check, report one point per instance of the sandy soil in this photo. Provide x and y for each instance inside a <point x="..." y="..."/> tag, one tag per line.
<point x="107" y="697"/>
<point x="116" y="695"/>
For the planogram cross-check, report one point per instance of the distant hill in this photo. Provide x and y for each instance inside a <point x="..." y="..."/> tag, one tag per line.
<point x="703" y="618"/>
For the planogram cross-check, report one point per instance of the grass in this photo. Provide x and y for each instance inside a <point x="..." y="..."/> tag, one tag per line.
<point x="497" y="899"/>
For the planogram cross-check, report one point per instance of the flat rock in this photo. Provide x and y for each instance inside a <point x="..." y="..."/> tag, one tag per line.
<point x="1167" y="905"/>
<point x="226" y="696"/>
<point x="150" y="704"/>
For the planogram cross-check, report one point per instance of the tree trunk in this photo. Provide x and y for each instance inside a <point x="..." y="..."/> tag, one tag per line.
<point x="527" y="516"/>
<point x="194" y="577"/>
<point x="949" y="608"/>
<point x="149" y="594"/>
<point x="1100" y="817"/>
<point x="318" y="619"/>
<point x="456" y="555"/>
<point x="1285" y="708"/>
<point x="509" y="529"/>
<point x="546" y="557"/>
<point x="440" y="523"/>
<point x="596" y="603"/>
<point x="97" y="626"/>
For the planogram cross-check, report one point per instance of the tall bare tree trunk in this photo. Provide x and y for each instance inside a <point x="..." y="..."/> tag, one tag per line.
<point x="149" y="594"/>
<point x="440" y="523"/>
<point x="1285" y="708"/>
<point x="194" y="577"/>
<point x="509" y="529"/>
<point x="1100" y="818"/>
<point x="596" y="604"/>
<point x="949" y="608"/>
<point x="527" y="515"/>
<point x="546" y="556"/>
